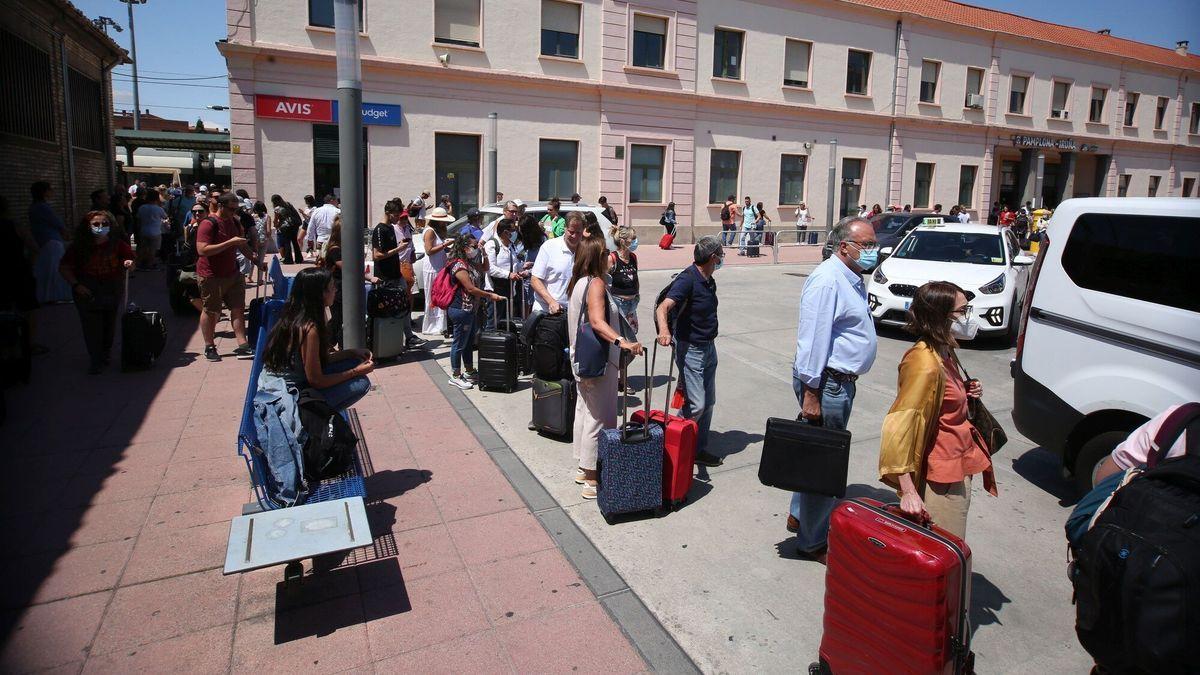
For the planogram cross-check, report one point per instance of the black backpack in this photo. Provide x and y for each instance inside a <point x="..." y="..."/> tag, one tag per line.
<point x="329" y="449"/>
<point x="1136" y="573"/>
<point x="550" y="361"/>
<point x="725" y="212"/>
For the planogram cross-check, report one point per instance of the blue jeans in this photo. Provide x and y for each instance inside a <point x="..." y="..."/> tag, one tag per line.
<point x="464" y="323"/>
<point x="813" y="511"/>
<point x="697" y="365"/>
<point x="728" y="233"/>
<point x="342" y="396"/>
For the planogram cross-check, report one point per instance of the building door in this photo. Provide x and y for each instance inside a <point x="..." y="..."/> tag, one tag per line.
<point x="456" y="159"/>
<point x="327" y="168"/>
<point x="1050" y="180"/>
<point x="852" y="173"/>
<point x="1009" y="193"/>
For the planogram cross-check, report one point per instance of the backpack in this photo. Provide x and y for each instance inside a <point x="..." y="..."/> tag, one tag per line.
<point x="329" y="448"/>
<point x="550" y="348"/>
<point x="1135" y="572"/>
<point x="442" y="292"/>
<point x="673" y="315"/>
<point x="725" y="212"/>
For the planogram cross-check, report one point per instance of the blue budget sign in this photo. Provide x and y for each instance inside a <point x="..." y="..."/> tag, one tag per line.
<point x="380" y="114"/>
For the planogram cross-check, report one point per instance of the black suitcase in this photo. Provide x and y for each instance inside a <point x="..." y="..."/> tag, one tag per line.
<point x="554" y="407"/>
<point x="498" y="354"/>
<point x="143" y="336"/>
<point x="549" y="348"/>
<point x="801" y="457"/>
<point x="16" y="356"/>
<point x="524" y="356"/>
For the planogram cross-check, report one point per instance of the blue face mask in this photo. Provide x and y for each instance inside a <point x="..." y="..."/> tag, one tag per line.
<point x="720" y="263"/>
<point x="512" y="237"/>
<point x="868" y="259"/>
<point x="633" y="245"/>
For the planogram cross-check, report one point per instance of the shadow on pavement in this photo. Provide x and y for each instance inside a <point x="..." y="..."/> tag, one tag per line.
<point x="726" y="443"/>
<point x="696" y="493"/>
<point x="300" y="611"/>
<point x="1044" y="469"/>
<point x="986" y="602"/>
<point x="391" y="483"/>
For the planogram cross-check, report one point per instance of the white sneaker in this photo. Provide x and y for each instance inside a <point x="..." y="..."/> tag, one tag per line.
<point x="461" y="382"/>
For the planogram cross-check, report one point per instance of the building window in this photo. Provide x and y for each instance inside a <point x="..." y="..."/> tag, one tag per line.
<point x="966" y="185"/>
<point x="558" y="162"/>
<point x="1123" y="185"/>
<point x="646" y="174"/>
<point x="853" y="170"/>
<point x="727" y="53"/>
<point x="791" y="178"/>
<point x="649" y="41"/>
<point x="1131" y="102"/>
<point x="1153" y="190"/>
<point x="923" y="185"/>
<point x="1060" y="100"/>
<point x="1096" y="112"/>
<point x="974" y="88"/>
<point x="1188" y="184"/>
<point x="320" y="13"/>
<point x="1194" y="123"/>
<point x="796" y="61"/>
<point x="1160" y="112"/>
<point x="560" y="29"/>
<point x="930" y="70"/>
<point x="456" y="22"/>
<point x="456" y="169"/>
<point x="858" y="72"/>
<point x="87" y="109"/>
<point x="722" y="175"/>
<point x="26" y="69"/>
<point x="327" y="176"/>
<point x="1016" y="94"/>
<point x="1143" y="257"/>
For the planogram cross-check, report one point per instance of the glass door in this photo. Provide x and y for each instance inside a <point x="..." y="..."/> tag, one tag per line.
<point x="852" y="174"/>
<point x="456" y="159"/>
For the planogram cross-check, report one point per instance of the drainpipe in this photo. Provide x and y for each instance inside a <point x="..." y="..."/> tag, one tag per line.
<point x="70" y="149"/>
<point x="892" y="127"/>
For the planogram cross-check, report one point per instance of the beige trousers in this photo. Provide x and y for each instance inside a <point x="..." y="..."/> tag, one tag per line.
<point x="595" y="411"/>
<point x="947" y="504"/>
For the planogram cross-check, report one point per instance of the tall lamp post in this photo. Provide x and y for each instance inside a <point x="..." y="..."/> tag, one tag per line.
<point x="349" y="87"/>
<point x="137" y="112"/>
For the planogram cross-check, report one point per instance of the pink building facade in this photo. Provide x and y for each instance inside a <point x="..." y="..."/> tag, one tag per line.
<point x="832" y="103"/>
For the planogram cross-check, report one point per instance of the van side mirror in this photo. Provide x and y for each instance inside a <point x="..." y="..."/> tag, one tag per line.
<point x="886" y="250"/>
<point x="1023" y="260"/>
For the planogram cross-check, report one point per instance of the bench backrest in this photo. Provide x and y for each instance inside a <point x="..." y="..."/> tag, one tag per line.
<point x="281" y="284"/>
<point x="247" y="434"/>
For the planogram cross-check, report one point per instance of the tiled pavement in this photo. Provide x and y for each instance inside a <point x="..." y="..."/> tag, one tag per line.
<point x="116" y="512"/>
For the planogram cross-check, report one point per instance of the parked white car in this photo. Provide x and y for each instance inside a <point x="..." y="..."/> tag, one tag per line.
<point x="987" y="263"/>
<point x="1111" y="329"/>
<point x="492" y="213"/>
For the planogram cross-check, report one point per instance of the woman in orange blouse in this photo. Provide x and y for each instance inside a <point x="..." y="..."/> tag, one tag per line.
<point x="930" y="450"/>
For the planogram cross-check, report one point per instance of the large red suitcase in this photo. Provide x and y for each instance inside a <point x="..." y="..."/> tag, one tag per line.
<point x="897" y="595"/>
<point x="667" y="240"/>
<point x="679" y="443"/>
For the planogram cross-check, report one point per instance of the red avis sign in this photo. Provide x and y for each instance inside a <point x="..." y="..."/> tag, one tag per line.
<point x="291" y="108"/>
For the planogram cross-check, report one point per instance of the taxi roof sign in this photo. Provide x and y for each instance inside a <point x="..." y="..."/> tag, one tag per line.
<point x="938" y="221"/>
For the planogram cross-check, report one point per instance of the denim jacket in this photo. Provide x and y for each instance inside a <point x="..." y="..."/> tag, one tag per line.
<point x="281" y="438"/>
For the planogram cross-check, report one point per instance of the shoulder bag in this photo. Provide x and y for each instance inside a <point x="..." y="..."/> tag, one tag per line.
<point x="591" y="353"/>
<point x="987" y="426"/>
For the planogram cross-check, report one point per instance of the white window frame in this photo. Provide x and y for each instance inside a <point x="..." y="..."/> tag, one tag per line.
<point x="741" y="54"/>
<point x="1153" y="185"/>
<point x="930" y="201"/>
<point x="1104" y="107"/>
<point x="738" y="187"/>
<point x="803" y="183"/>
<point x="668" y="68"/>
<point x="967" y="85"/>
<point x="1194" y="119"/>
<point x="454" y="45"/>
<point x="808" y="68"/>
<point x="1128" y="180"/>
<point x="1067" y="107"/>
<point x="870" y="71"/>
<point x="578" y="146"/>
<point x="1166" y="111"/>
<point x="1012" y="75"/>
<point x="1130" y="121"/>
<point x="666" y="169"/>
<point x="974" y="185"/>
<point x="937" y="83"/>
<point x="578" y="34"/>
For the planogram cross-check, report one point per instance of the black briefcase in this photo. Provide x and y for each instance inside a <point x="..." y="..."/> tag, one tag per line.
<point x="804" y="458"/>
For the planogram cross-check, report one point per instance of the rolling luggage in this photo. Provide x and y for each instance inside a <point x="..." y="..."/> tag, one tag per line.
<point x="679" y="442"/>
<point x="880" y="561"/>
<point x="554" y="407"/>
<point x="499" y="352"/>
<point x="667" y="241"/>
<point x="802" y="457"/>
<point x="550" y="361"/>
<point x="753" y="239"/>
<point x="631" y="464"/>
<point x="143" y="335"/>
<point x="389" y="336"/>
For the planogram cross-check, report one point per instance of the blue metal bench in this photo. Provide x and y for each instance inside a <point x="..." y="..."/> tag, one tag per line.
<point x="349" y="484"/>
<point x="281" y="284"/>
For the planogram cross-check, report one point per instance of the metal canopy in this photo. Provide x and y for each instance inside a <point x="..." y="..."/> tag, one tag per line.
<point x="172" y="140"/>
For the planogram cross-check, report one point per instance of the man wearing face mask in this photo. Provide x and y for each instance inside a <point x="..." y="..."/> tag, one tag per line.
<point x="694" y="292"/>
<point x="506" y="270"/>
<point x="835" y="344"/>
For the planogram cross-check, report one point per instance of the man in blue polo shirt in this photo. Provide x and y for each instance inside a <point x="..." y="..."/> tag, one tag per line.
<point x="694" y="292"/>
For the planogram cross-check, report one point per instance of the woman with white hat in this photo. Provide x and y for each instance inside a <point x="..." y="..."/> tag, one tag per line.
<point x="436" y="241"/>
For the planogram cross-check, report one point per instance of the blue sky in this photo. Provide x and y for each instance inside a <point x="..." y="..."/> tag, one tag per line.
<point x="176" y="41"/>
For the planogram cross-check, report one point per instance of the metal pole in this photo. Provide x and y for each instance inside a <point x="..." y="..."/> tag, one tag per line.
<point x="493" y="179"/>
<point x="350" y="160"/>
<point x="829" y="210"/>
<point x="137" y="112"/>
<point x="70" y="150"/>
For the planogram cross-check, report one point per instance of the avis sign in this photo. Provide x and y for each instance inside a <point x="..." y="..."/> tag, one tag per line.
<point x="292" y="108"/>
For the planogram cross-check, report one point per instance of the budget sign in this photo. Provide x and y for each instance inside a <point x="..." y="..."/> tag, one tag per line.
<point x="291" y="108"/>
<point x="379" y="114"/>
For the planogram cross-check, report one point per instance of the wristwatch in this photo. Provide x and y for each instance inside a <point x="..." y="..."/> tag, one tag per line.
<point x="617" y="342"/>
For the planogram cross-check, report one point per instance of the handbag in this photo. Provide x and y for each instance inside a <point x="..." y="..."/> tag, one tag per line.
<point x="982" y="419"/>
<point x="802" y="457"/>
<point x="591" y="353"/>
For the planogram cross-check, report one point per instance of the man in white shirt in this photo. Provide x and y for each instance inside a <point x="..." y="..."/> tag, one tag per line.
<point x="417" y="208"/>
<point x="320" y="222"/>
<point x="552" y="270"/>
<point x="802" y="222"/>
<point x="151" y="221"/>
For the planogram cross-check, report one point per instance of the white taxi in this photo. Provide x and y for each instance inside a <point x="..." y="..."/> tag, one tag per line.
<point x="986" y="262"/>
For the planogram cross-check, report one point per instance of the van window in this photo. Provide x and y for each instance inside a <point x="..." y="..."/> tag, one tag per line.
<point x="1144" y="257"/>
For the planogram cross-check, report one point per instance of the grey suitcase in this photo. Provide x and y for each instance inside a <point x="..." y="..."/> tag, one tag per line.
<point x="389" y="336"/>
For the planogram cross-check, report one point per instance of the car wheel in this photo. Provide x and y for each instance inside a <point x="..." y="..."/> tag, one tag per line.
<point x="1095" y="451"/>
<point x="1014" y="323"/>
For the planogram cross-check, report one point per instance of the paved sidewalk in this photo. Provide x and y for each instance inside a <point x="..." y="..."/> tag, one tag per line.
<point x="121" y="488"/>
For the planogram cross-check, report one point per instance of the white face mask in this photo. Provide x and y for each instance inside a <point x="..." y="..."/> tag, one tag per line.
<point x="963" y="329"/>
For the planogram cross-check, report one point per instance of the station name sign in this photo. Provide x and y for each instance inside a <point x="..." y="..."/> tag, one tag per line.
<point x="322" y="110"/>
<point x="1052" y="143"/>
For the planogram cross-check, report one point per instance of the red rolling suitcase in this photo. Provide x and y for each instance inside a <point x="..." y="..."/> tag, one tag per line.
<point x="667" y="240"/>
<point x="679" y="444"/>
<point x="897" y="595"/>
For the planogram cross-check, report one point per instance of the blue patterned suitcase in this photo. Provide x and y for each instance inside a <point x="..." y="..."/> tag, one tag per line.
<point x="631" y="460"/>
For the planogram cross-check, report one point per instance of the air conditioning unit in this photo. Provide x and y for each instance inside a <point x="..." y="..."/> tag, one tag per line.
<point x="975" y="101"/>
<point x="1060" y="114"/>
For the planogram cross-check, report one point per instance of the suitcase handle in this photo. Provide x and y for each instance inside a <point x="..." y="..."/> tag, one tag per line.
<point x="894" y="508"/>
<point x="635" y="432"/>
<point x="670" y="373"/>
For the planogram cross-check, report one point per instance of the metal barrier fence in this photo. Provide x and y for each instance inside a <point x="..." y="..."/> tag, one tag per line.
<point x="740" y="239"/>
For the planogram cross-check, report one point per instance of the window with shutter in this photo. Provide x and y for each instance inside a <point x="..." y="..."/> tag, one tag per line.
<point x="796" y="62"/>
<point x="456" y="22"/>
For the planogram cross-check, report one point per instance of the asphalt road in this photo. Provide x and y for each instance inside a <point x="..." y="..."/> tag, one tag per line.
<point x="721" y="573"/>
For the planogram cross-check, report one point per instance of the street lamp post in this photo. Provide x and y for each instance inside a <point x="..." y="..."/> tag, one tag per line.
<point x="829" y="206"/>
<point x="349" y="87"/>
<point x="137" y="113"/>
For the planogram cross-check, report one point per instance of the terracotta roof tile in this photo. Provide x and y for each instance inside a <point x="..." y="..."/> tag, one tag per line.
<point x="1013" y="24"/>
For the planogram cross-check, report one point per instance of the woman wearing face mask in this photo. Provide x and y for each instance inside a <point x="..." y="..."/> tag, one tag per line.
<point x="467" y="279"/>
<point x="623" y="267"/>
<point x="930" y="450"/>
<point x="506" y="269"/>
<point x="94" y="266"/>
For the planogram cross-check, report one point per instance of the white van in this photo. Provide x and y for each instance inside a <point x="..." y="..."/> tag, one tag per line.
<point x="1110" y="331"/>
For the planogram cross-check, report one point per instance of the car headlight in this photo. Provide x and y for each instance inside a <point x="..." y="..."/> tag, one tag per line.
<point x="878" y="277"/>
<point x="994" y="286"/>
